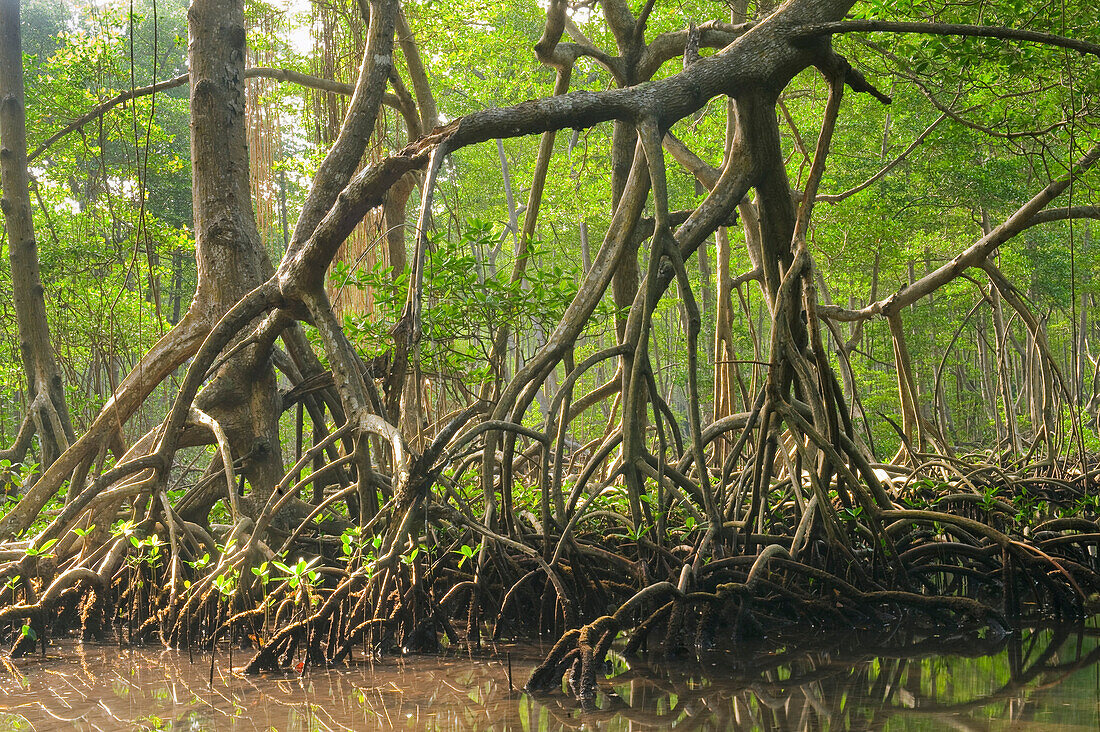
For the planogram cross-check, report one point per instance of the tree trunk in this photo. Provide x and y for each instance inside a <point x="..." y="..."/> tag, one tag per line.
<point x="987" y="379"/>
<point x="230" y="258"/>
<point x="45" y="390"/>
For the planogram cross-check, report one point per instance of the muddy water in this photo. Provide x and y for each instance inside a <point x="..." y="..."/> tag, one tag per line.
<point x="1043" y="680"/>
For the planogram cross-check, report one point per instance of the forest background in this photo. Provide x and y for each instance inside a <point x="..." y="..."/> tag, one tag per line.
<point x="967" y="138"/>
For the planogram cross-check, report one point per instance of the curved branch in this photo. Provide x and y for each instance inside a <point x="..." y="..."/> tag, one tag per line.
<point x="973" y="255"/>
<point x="24" y="437"/>
<point x="552" y="51"/>
<point x="947" y="29"/>
<point x="346" y="153"/>
<point x="418" y="75"/>
<point x="107" y="106"/>
<point x="838" y="197"/>
<point x="667" y="46"/>
<point x="1064" y="214"/>
<point x="203" y="419"/>
<point x="162" y="359"/>
<point x="259" y="72"/>
<point x="63" y="582"/>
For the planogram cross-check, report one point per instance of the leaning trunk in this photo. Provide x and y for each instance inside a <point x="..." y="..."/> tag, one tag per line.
<point x="45" y="391"/>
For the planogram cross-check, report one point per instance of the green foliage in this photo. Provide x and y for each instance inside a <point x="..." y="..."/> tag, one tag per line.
<point x="465" y="551"/>
<point x="465" y="303"/>
<point x="111" y="202"/>
<point x="263" y="572"/>
<point x="298" y="574"/>
<point x="41" y="551"/>
<point x="202" y="562"/>
<point x="226" y="583"/>
<point x="148" y="549"/>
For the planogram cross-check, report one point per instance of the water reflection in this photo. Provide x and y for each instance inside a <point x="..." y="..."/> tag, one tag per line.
<point x="1043" y="680"/>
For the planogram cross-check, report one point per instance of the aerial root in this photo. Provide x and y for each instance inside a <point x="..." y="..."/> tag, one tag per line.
<point x="964" y="564"/>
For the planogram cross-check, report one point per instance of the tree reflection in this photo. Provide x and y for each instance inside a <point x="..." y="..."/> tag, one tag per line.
<point x="854" y="684"/>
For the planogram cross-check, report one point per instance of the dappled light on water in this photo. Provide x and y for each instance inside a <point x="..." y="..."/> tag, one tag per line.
<point x="1043" y="680"/>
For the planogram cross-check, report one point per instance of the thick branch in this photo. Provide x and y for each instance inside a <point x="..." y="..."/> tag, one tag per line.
<point x="341" y="161"/>
<point x="1064" y="214"/>
<point x="667" y="46"/>
<point x="755" y="61"/>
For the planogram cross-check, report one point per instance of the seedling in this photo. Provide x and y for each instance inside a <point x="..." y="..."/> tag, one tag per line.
<point x="467" y="552"/>
<point x="263" y="572"/>
<point x="300" y="577"/>
<point x="410" y="556"/>
<point x="635" y="533"/>
<point x="41" y="551"/>
<point x="226" y="583"/>
<point x="201" y="563"/>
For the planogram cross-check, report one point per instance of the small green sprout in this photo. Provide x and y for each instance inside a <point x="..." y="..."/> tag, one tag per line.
<point x="85" y="531"/>
<point x="467" y="552"/>
<point x="41" y="551"/>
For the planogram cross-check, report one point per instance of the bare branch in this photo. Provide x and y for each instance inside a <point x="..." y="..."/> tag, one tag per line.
<point x="947" y="29"/>
<point x="551" y="51"/>
<point x="667" y="46"/>
<point x="1064" y="214"/>
<point x="974" y="255"/>
<point x="120" y="98"/>
<point x="259" y="72"/>
<point x="838" y="197"/>
<point x="817" y="169"/>
<point x="343" y="158"/>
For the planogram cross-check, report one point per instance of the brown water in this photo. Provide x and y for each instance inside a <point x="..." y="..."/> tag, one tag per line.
<point x="1046" y="680"/>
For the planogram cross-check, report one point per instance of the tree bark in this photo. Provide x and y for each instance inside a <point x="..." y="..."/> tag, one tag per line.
<point x="230" y="257"/>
